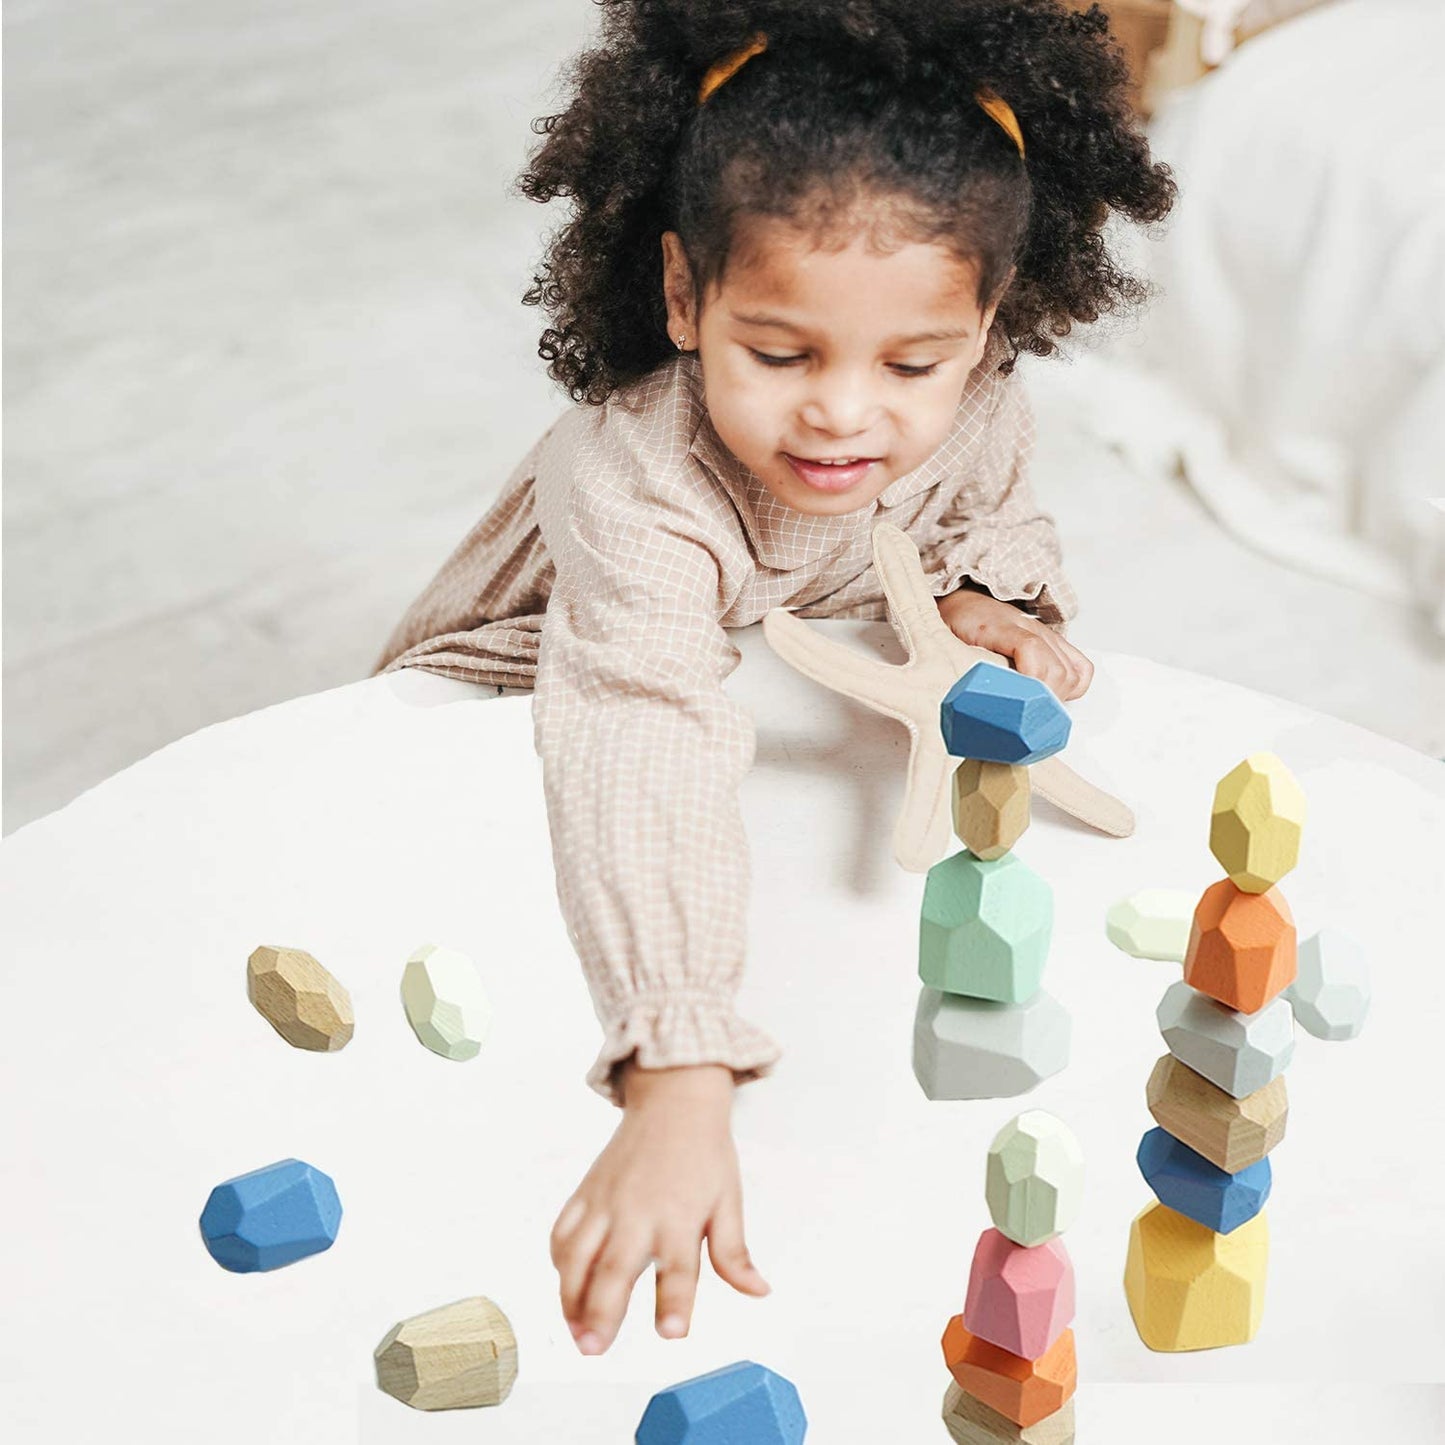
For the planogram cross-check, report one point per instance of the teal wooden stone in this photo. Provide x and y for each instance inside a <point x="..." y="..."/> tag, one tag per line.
<point x="984" y="928"/>
<point x="1191" y="1185"/>
<point x="271" y="1217"/>
<point x="741" y="1404"/>
<point x="1001" y="716"/>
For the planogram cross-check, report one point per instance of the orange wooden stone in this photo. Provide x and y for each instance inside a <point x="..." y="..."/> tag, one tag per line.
<point x="1242" y="947"/>
<point x="1025" y="1391"/>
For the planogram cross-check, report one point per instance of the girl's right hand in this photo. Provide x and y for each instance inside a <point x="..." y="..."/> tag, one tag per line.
<point x="667" y="1178"/>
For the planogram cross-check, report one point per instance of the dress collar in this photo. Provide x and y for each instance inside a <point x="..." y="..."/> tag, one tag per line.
<point x="785" y="539"/>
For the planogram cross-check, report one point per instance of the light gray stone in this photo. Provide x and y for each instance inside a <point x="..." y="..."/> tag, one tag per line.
<point x="973" y="1048"/>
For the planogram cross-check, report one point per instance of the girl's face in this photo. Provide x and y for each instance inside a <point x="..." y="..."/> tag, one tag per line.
<point x="810" y="355"/>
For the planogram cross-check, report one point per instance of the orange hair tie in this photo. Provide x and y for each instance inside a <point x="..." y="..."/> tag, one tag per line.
<point x="993" y="105"/>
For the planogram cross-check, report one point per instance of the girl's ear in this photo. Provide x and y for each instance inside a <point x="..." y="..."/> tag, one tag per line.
<point x="677" y="287"/>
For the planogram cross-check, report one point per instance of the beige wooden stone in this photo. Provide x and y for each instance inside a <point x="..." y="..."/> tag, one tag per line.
<point x="971" y="1422"/>
<point x="454" y="1357"/>
<point x="300" y="999"/>
<point x="914" y="693"/>
<point x="1231" y="1133"/>
<point x="990" y="806"/>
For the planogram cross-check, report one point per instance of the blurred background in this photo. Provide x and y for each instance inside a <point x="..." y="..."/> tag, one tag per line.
<point x="266" y="361"/>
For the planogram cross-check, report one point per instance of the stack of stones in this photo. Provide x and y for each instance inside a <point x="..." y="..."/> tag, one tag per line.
<point x="1197" y="1259"/>
<point x="984" y="1028"/>
<point x="1011" y="1351"/>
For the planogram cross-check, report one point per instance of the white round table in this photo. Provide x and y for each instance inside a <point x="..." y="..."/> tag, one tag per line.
<point x="362" y="822"/>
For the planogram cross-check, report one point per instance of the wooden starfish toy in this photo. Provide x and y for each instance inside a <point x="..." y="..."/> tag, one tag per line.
<point x="913" y="693"/>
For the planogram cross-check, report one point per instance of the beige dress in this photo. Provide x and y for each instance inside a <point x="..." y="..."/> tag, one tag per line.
<point x="605" y="576"/>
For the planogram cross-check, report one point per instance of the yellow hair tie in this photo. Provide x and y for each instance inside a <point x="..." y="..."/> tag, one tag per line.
<point x="993" y="105"/>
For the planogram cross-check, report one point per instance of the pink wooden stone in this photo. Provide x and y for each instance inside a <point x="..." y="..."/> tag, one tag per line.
<point x="1019" y="1299"/>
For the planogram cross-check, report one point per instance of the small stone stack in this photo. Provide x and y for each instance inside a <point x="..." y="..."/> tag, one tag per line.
<point x="1198" y="1257"/>
<point x="1011" y="1351"/>
<point x="984" y="1028"/>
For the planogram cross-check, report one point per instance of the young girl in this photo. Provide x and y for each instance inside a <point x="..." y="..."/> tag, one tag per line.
<point x="810" y="239"/>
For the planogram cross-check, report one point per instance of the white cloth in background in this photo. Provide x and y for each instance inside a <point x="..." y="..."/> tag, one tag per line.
<point x="1293" y="364"/>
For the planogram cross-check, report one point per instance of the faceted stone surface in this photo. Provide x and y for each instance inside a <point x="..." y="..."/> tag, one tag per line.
<point x="445" y="1002"/>
<point x="984" y="928"/>
<point x="1019" y="1299"/>
<point x="1256" y="822"/>
<point x="742" y="1402"/>
<point x="1331" y="993"/>
<point x="1190" y="1288"/>
<point x="1241" y="947"/>
<point x="966" y="1048"/>
<point x="1035" y="1178"/>
<point x="1152" y="923"/>
<point x="455" y="1357"/>
<point x="990" y="806"/>
<point x="1231" y="1133"/>
<point x="1002" y="716"/>
<point x="271" y="1217"/>
<point x="971" y="1422"/>
<point x="1241" y="1053"/>
<point x="1190" y="1185"/>
<point x="299" y="999"/>
<point x="1024" y="1391"/>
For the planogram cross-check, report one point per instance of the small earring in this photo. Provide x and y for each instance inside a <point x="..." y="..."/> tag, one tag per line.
<point x="681" y="337"/>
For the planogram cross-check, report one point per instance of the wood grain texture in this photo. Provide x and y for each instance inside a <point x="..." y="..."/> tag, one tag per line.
<point x="1232" y="1133"/>
<point x="300" y="999"/>
<point x="1024" y="1391"/>
<point x="1240" y="1053"/>
<point x="455" y="1357"/>
<point x="911" y="693"/>
<point x="1034" y="1179"/>
<point x="1256" y="822"/>
<point x="445" y="1003"/>
<point x="971" y="1422"/>
<point x="990" y="806"/>
<point x="1190" y="1288"/>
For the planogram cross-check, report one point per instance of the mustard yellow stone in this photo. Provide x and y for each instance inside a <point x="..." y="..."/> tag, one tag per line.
<point x="1256" y="822"/>
<point x="990" y="805"/>
<point x="1190" y="1288"/>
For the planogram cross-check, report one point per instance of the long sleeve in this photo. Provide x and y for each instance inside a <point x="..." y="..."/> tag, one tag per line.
<point x="643" y="754"/>
<point x="994" y="532"/>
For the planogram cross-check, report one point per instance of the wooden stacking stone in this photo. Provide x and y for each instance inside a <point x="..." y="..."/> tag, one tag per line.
<point x="1190" y="1185"/>
<point x="455" y="1357"/>
<point x="445" y="1002"/>
<point x="744" y="1402"/>
<point x="990" y="806"/>
<point x="1019" y="1299"/>
<point x="299" y="999"/>
<point x="1231" y="1133"/>
<point x="1152" y="923"/>
<point x="1256" y="822"/>
<point x="1241" y="1053"/>
<point x="1192" y="1289"/>
<point x="1024" y="1391"/>
<point x="1034" y="1181"/>
<point x="971" y="1422"/>
<point x="971" y="1048"/>
<point x="1002" y="716"/>
<point x="1331" y="992"/>
<point x="1242" y="948"/>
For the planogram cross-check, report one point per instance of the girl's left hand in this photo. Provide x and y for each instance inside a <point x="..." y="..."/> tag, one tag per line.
<point x="1039" y="651"/>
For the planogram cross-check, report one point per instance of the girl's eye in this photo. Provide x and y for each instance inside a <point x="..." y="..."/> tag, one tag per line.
<point x="789" y="360"/>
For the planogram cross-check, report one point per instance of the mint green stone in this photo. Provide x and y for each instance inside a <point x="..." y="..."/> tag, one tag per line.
<point x="984" y="928"/>
<point x="1034" y="1182"/>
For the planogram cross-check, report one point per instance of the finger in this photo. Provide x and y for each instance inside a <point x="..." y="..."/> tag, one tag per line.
<point x="574" y="1264"/>
<point x="573" y="1213"/>
<point x="1039" y="657"/>
<point x="615" y="1270"/>
<point x="678" y="1263"/>
<point x="1081" y="669"/>
<point x="728" y="1250"/>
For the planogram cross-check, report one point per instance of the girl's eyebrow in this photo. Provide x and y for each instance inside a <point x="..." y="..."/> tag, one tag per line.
<point x="762" y="320"/>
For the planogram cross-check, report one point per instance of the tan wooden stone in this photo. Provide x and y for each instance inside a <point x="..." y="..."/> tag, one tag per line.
<point x="1231" y="1133"/>
<point x="300" y="999"/>
<point x="971" y="1422"/>
<point x="990" y="806"/>
<point x="455" y="1357"/>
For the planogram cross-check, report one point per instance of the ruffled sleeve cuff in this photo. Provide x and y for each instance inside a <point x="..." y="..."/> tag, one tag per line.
<point x="679" y="1027"/>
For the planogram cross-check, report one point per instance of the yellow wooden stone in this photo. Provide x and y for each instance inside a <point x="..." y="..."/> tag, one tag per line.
<point x="990" y="805"/>
<point x="1231" y="1133"/>
<point x="1190" y="1288"/>
<point x="300" y="999"/>
<point x="1256" y="822"/>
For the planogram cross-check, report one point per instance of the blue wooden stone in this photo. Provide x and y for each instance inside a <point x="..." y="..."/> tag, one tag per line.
<point x="270" y="1217"/>
<point x="1191" y="1185"/>
<point x="741" y="1404"/>
<point x="1000" y="716"/>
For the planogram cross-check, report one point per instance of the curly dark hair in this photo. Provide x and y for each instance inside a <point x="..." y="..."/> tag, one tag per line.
<point x="850" y="98"/>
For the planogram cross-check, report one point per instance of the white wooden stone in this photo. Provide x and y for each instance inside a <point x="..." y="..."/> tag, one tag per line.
<point x="1153" y="923"/>
<point x="1331" y="992"/>
<point x="973" y="1048"/>
<point x="1034" y="1182"/>
<point x="446" y="1005"/>
<point x="1239" y="1052"/>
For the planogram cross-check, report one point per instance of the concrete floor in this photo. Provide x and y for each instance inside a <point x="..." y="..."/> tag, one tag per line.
<point x="265" y="363"/>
